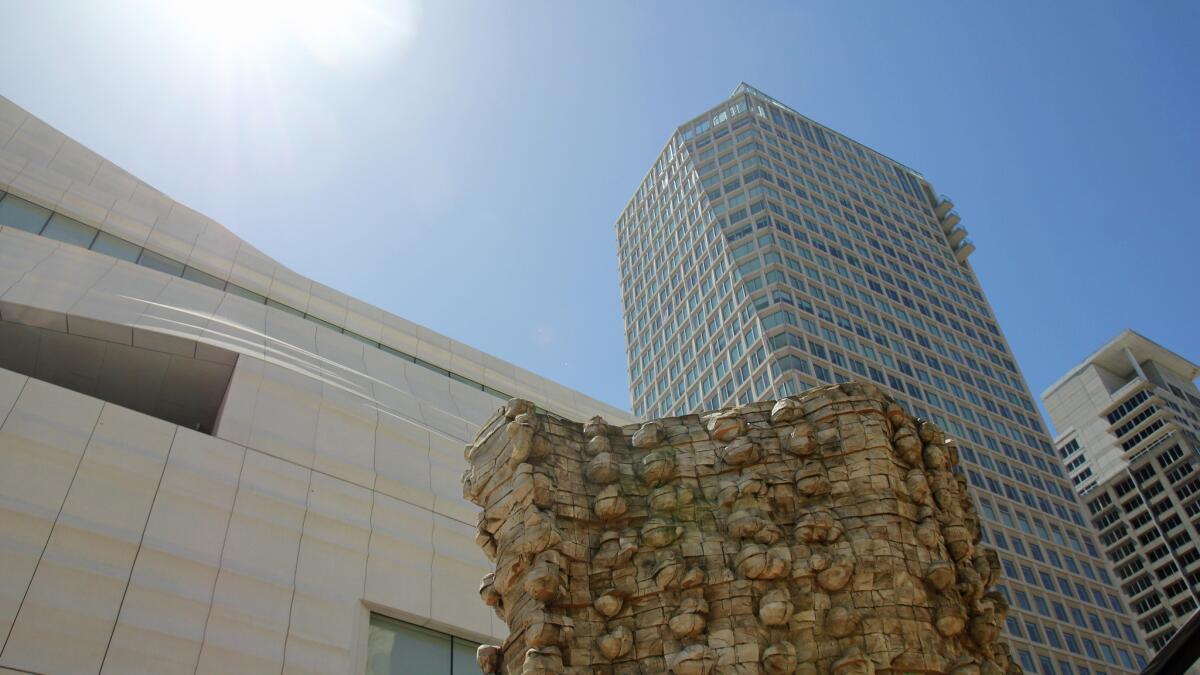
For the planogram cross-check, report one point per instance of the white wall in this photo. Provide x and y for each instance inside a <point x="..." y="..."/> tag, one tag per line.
<point x="330" y="485"/>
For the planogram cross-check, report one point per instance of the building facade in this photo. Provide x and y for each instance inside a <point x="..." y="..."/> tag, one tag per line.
<point x="764" y="254"/>
<point x="210" y="463"/>
<point x="1128" y="419"/>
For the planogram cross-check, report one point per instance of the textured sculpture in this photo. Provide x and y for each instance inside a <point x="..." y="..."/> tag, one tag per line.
<point x="824" y="533"/>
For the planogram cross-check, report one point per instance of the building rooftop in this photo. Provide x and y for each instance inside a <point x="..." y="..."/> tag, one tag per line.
<point x="1112" y="357"/>
<point x="746" y="88"/>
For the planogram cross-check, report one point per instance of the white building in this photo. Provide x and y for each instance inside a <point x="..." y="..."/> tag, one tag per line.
<point x="210" y="463"/>
<point x="1128" y="418"/>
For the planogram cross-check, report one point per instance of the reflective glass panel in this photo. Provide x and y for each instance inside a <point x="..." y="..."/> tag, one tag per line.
<point x="464" y="658"/>
<point x="23" y="215"/>
<point x="161" y="263"/>
<point x="69" y="231"/>
<point x="249" y="295"/>
<point x="116" y="247"/>
<point x="397" y="648"/>
<point x="193" y="274"/>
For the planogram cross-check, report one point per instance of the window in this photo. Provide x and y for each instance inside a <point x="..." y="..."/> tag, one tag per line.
<point x="1040" y="603"/>
<point x="23" y="215"/>
<point x="70" y="231"/>
<point x="193" y="274"/>
<point x="109" y="245"/>
<point x="1108" y="653"/>
<point x="1060" y="612"/>
<point x="161" y="263"/>
<point x="1072" y="643"/>
<point x="398" y="648"/>
<point x="1052" y="638"/>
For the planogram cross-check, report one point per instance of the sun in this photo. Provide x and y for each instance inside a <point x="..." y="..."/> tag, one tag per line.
<point x="336" y="33"/>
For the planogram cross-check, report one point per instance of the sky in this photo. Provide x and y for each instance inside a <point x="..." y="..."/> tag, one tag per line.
<point x="462" y="164"/>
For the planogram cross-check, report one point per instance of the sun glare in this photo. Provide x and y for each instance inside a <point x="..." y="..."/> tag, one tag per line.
<point x="336" y="33"/>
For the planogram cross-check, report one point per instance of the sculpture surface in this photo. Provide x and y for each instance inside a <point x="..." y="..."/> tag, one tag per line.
<point x="823" y="533"/>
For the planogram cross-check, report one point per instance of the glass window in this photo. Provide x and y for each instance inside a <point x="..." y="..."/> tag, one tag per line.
<point x="1052" y="638"/>
<point x="462" y="660"/>
<point x="23" y="215"/>
<point x="1072" y="643"/>
<point x="398" y="648"/>
<point x="69" y="231"/>
<point x="193" y="274"/>
<point x="1108" y="653"/>
<point x="116" y="247"/>
<point x="454" y="376"/>
<point x="295" y="312"/>
<point x="161" y="263"/>
<point x="407" y="357"/>
<point x="262" y="300"/>
<point x="420" y="362"/>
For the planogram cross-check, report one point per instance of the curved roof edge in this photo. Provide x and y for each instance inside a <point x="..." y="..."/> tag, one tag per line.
<point x="44" y="165"/>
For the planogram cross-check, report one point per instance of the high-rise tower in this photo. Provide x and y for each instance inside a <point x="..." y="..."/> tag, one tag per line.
<point x="1128" y="422"/>
<point x="764" y="254"/>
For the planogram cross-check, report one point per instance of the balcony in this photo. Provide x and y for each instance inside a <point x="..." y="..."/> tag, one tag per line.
<point x="949" y="221"/>
<point x="1145" y="445"/>
<point x="943" y="206"/>
<point x="964" y="251"/>
<point x="956" y="236"/>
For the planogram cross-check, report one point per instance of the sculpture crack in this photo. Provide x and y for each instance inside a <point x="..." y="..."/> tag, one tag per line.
<point x="825" y="533"/>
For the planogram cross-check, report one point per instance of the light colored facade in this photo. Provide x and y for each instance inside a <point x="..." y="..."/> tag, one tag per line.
<point x="1128" y="418"/>
<point x="764" y="254"/>
<point x="210" y="463"/>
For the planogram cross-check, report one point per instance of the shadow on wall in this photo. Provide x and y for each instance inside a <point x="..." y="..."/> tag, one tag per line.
<point x="180" y="383"/>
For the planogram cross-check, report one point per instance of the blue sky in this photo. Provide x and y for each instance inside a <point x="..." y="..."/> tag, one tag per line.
<point x="462" y="163"/>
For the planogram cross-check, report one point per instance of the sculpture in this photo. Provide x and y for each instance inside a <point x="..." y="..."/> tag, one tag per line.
<point x="824" y="533"/>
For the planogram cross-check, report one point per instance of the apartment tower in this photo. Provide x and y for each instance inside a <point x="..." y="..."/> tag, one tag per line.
<point x="764" y="254"/>
<point x="1128" y="421"/>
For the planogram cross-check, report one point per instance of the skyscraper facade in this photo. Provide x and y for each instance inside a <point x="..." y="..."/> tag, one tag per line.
<point x="1128" y="422"/>
<point x="764" y="254"/>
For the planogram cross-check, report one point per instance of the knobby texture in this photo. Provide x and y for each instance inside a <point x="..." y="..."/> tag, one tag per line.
<point x="823" y="533"/>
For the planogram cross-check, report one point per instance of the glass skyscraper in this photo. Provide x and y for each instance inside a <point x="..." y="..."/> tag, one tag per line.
<point x="765" y="254"/>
